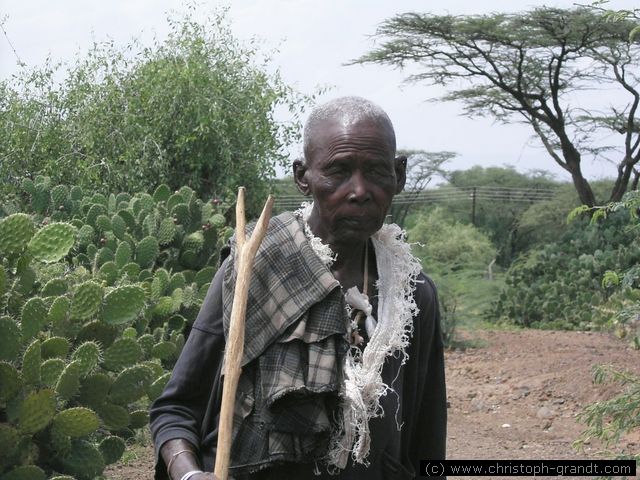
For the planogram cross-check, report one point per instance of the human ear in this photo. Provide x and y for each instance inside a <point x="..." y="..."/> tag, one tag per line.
<point x="300" y="177"/>
<point x="401" y="172"/>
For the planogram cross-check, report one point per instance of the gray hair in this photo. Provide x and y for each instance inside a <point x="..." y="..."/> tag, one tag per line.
<point x="348" y="111"/>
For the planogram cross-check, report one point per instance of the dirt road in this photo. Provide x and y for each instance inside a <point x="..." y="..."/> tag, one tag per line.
<point x="514" y="396"/>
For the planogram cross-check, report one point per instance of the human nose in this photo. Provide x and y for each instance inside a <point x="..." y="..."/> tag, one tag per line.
<point x="359" y="189"/>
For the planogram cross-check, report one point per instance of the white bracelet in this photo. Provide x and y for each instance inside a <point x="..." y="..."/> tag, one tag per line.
<point x="190" y="474"/>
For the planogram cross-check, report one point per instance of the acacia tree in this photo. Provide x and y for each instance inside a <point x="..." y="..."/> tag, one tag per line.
<point x="531" y="67"/>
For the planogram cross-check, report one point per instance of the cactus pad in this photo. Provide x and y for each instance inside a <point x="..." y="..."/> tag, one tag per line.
<point x="60" y="443"/>
<point x="123" y="254"/>
<point x="84" y="461"/>
<point x="54" y="288"/>
<point x="69" y="382"/>
<point x="124" y="352"/>
<point x="98" y="331"/>
<point x="32" y="363"/>
<point x="217" y="221"/>
<point x="59" y="196"/>
<point x="123" y="304"/>
<point x="164" y="307"/>
<point x="33" y="317"/>
<point x="3" y="281"/>
<point x="57" y="316"/>
<point x="131" y="269"/>
<point x="112" y="449"/>
<point x="164" y="350"/>
<point x="139" y="418"/>
<point x="166" y="231"/>
<point x="51" y="370"/>
<point x="10" y="382"/>
<point x="25" y="472"/>
<point x="10" y="339"/>
<point x="194" y="242"/>
<point x="156" y="388"/>
<point x="146" y="342"/>
<point x="94" y="389"/>
<point x="8" y="441"/>
<point x="87" y="300"/>
<point x="94" y="212"/>
<point x="118" y="226"/>
<point x="15" y="232"/>
<point x="181" y="214"/>
<point x="86" y="235"/>
<point x="114" y="417"/>
<point x="76" y="422"/>
<point x="55" y="347"/>
<point x="130" y="385"/>
<point x="37" y="410"/>
<point x="88" y="356"/>
<point x="104" y="255"/>
<point x="53" y="242"/>
<point x="161" y="194"/>
<point x="103" y="223"/>
<point x="109" y="272"/>
<point x="146" y="251"/>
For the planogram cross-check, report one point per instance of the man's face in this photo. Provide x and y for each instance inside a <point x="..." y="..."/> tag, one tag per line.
<point x="352" y="175"/>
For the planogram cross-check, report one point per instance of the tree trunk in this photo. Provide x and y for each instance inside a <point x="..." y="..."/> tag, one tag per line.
<point x="622" y="181"/>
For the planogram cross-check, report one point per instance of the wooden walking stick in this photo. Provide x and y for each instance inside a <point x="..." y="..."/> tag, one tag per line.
<point x="244" y="255"/>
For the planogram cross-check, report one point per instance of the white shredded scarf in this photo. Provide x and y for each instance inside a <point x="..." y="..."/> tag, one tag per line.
<point x="398" y="270"/>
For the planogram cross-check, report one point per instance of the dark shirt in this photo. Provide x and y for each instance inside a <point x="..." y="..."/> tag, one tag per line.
<point x="190" y="404"/>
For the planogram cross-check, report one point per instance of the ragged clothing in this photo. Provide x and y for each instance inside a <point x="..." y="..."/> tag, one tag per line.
<point x="290" y="391"/>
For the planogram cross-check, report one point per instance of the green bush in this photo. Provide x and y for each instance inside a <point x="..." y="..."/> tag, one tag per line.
<point x="196" y="108"/>
<point x="559" y="285"/>
<point x="97" y="293"/>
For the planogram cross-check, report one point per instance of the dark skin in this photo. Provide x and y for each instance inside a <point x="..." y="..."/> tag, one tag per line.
<point x="352" y="174"/>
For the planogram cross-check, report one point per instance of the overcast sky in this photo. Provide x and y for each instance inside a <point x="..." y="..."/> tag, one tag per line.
<point x="314" y="39"/>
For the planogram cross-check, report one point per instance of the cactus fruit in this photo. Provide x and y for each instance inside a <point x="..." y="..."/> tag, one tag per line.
<point x="52" y="242"/>
<point x="130" y="385"/>
<point x="37" y="410"/>
<point x="69" y="382"/>
<point x="32" y="363"/>
<point x="55" y="347"/>
<point x="51" y="370"/>
<point x="76" y="422"/>
<point x="84" y="461"/>
<point x="25" y="472"/>
<point x="88" y="357"/>
<point x="15" y="232"/>
<point x="123" y="304"/>
<point x="112" y="449"/>
<point x="87" y="300"/>
<point x="146" y="251"/>
<point x="123" y="353"/>
<point x="10" y="339"/>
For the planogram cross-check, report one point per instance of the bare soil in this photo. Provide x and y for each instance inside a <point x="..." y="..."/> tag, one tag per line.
<point x="515" y="395"/>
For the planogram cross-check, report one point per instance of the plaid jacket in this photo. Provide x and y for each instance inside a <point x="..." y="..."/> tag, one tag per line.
<point x="295" y="342"/>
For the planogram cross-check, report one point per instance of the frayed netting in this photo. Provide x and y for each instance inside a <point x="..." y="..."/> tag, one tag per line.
<point x="398" y="270"/>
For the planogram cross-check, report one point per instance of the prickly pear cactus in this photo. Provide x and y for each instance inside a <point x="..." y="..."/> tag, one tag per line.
<point x="97" y="295"/>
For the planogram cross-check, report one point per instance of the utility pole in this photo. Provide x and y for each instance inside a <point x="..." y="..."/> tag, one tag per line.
<point x="473" y="206"/>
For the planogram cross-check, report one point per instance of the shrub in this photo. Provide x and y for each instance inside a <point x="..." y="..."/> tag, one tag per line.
<point x="97" y="293"/>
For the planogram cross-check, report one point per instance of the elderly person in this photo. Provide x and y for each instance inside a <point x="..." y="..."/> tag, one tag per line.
<point x="343" y="370"/>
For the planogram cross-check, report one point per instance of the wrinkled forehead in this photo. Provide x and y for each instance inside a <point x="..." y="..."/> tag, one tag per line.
<point x="320" y="132"/>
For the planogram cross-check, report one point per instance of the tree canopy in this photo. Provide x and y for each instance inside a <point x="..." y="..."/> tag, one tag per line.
<point x="539" y="67"/>
<point x="195" y="108"/>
